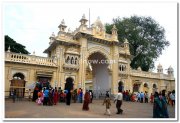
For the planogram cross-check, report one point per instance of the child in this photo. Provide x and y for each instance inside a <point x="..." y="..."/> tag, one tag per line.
<point x="29" y="94"/>
<point x="108" y="104"/>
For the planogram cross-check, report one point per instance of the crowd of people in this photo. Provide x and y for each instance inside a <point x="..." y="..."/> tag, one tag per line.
<point x="49" y="96"/>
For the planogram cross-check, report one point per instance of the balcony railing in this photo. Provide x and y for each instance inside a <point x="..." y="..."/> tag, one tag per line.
<point x="29" y="59"/>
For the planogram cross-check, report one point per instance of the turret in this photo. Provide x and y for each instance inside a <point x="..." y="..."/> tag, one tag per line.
<point x="159" y="68"/>
<point x="126" y="46"/>
<point x="83" y="20"/>
<point x="62" y="26"/>
<point x="114" y="33"/>
<point x="170" y="71"/>
<point x="83" y="25"/>
<point x="52" y="38"/>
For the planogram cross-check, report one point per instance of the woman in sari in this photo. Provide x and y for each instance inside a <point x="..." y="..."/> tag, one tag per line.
<point x="157" y="106"/>
<point x="86" y="101"/>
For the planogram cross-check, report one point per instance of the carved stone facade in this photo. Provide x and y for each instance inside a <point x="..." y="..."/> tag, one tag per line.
<point x="69" y="54"/>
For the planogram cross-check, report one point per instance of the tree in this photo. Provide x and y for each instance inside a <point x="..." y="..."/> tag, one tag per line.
<point x="146" y="38"/>
<point x="15" y="47"/>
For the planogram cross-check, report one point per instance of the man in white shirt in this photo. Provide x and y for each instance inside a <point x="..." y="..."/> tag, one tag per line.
<point x="118" y="100"/>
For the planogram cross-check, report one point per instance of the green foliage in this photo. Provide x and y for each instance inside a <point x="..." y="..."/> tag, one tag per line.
<point x="146" y="38"/>
<point x="15" y="47"/>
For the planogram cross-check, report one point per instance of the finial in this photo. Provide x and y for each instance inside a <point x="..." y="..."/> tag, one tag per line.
<point x="125" y="40"/>
<point x="83" y="17"/>
<point x="69" y="30"/>
<point x="9" y="49"/>
<point x="53" y="35"/>
<point x="98" y="18"/>
<point x="63" y="22"/>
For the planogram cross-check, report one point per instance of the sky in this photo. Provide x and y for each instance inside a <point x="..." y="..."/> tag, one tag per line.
<point x="32" y="23"/>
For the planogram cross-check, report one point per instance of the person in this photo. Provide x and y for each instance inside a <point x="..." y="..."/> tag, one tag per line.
<point x="138" y="97"/>
<point x="39" y="101"/>
<point x="118" y="100"/>
<point x="81" y="96"/>
<point x="157" y="106"/>
<point x="68" y="97"/>
<point x="164" y="105"/>
<point x="172" y="96"/>
<point x="46" y="96"/>
<point x="35" y="93"/>
<point x="86" y="101"/>
<point x="108" y="104"/>
<point x="151" y="98"/>
<point x="74" y="95"/>
<point x="146" y="97"/>
<point x="142" y="96"/>
<point x="91" y="96"/>
<point x="55" y="97"/>
<point x="14" y="95"/>
<point x="29" y="94"/>
<point x="50" y="99"/>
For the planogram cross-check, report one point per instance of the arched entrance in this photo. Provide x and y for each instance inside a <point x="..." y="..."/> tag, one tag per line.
<point x="18" y="84"/>
<point x="69" y="84"/>
<point x="98" y="65"/>
<point x="145" y="87"/>
<point x="120" y="86"/>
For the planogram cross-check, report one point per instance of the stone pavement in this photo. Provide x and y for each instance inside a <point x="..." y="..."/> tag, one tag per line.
<point x="26" y="109"/>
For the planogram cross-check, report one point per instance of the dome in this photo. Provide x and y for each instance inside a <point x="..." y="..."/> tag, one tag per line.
<point x="170" y="68"/>
<point x="98" y="23"/>
<point x="159" y="66"/>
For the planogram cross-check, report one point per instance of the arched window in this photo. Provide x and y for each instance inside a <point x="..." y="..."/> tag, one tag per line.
<point x="154" y="86"/>
<point x="72" y="60"/>
<point x="145" y="85"/>
<point x="75" y="60"/>
<point x="68" y="60"/>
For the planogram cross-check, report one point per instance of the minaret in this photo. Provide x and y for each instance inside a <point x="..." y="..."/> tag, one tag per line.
<point x="159" y="68"/>
<point x="62" y="26"/>
<point x="114" y="33"/>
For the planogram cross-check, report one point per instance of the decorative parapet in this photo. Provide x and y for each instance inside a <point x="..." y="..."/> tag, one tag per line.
<point x="29" y="59"/>
<point x="71" y="67"/>
<point x="150" y="75"/>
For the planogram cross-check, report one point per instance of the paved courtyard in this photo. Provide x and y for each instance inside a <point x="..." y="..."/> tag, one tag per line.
<point x="26" y="109"/>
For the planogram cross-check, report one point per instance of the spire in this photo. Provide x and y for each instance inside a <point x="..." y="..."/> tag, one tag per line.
<point x="33" y="52"/>
<point x="9" y="49"/>
<point x="62" y="26"/>
<point x="83" y="20"/>
<point x="52" y="38"/>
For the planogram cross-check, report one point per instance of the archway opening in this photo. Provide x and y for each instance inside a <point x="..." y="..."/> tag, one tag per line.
<point x="120" y="86"/>
<point x="69" y="84"/>
<point x="18" y="84"/>
<point x="136" y="87"/>
<point x="145" y="87"/>
<point x="98" y="64"/>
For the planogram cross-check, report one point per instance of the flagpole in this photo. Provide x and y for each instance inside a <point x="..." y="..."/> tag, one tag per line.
<point x="89" y="17"/>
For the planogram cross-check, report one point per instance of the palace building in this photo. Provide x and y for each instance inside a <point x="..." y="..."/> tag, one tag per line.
<point x="86" y="58"/>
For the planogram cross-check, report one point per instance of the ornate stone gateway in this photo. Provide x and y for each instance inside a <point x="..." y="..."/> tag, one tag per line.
<point x="87" y="58"/>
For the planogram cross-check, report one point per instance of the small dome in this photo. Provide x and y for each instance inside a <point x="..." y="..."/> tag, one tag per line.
<point x="170" y="68"/>
<point x="159" y="66"/>
<point x="98" y="23"/>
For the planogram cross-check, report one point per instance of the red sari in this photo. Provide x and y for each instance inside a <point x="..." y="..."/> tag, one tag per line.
<point x="55" y="98"/>
<point x="86" y="101"/>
